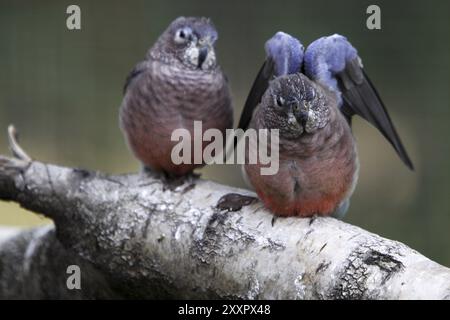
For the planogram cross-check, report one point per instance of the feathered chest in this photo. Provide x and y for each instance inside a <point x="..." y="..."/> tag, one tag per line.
<point x="316" y="172"/>
<point x="185" y="90"/>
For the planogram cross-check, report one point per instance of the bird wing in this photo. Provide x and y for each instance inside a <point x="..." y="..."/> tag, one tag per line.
<point x="137" y="70"/>
<point x="361" y="98"/>
<point x="259" y="86"/>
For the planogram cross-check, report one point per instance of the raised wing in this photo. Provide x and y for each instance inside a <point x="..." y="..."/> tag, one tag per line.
<point x="335" y="63"/>
<point x="360" y="97"/>
<point x="284" y="56"/>
<point x="265" y="74"/>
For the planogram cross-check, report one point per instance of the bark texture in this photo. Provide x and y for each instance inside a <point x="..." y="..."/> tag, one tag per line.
<point x="133" y="237"/>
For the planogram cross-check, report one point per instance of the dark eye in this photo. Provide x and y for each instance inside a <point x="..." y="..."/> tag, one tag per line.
<point x="280" y="101"/>
<point x="182" y="35"/>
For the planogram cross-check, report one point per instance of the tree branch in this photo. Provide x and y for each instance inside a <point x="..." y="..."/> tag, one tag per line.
<point x="134" y="237"/>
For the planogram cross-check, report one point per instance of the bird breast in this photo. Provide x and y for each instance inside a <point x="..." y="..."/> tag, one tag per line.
<point x="316" y="173"/>
<point x="164" y="98"/>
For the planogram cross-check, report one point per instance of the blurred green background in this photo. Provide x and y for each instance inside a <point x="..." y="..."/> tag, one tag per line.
<point x="62" y="89"/>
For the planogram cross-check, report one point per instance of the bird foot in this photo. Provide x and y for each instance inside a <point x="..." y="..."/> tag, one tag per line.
<point x="274" y="219"/>
<point x="171" y="182"/>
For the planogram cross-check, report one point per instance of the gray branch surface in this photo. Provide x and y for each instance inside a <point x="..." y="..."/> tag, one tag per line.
<point x="135" y="238"/>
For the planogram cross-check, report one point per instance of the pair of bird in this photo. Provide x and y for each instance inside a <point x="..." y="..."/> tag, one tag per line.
<point x="309" y="95"/>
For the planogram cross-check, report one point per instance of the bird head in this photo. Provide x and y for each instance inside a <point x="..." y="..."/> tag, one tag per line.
<point x="190" y="40"/>
<point x="295" y="105"/>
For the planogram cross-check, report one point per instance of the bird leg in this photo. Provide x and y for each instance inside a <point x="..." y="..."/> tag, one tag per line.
<point x="172" y="182"/>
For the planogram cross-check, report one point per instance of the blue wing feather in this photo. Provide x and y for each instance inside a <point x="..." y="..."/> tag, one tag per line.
<point x="334" y="62"/>
<point x="326" y="57"/>
<point x="284" y="56"/>
<point x="286" y="53"/>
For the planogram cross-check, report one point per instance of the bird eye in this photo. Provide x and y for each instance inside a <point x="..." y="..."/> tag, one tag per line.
<point x="280" y="101"/>
<point x="183" y="35"/>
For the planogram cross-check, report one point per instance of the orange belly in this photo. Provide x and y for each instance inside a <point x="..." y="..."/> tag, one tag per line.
<point x="305" y="188"/>
<point x="323" y="206"/>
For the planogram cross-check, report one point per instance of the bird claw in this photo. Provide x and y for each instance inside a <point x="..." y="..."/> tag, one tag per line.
<point x="171" y="182"/>
<point x="274" y="219"/>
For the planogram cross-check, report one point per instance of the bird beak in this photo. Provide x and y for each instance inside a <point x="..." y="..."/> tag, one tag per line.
<point x="301" y="112"/>
<point x="202" y="54"/>
<point x="206" y="54"/>
<point x="292" y="120"/>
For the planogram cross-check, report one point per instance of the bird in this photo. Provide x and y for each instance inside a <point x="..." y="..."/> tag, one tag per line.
<point x="178" y="82"/>
<point x="310" y="96"/>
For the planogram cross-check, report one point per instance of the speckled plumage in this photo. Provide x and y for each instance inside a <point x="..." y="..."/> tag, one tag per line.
<point x="317" y="92"/>
<point x="317" y="170"/>
<point x="168" y="91"/>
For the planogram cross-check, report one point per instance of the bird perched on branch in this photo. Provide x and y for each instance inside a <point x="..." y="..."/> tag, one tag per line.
<point x="179" y="82"/>
<point x="310" y="97"/>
